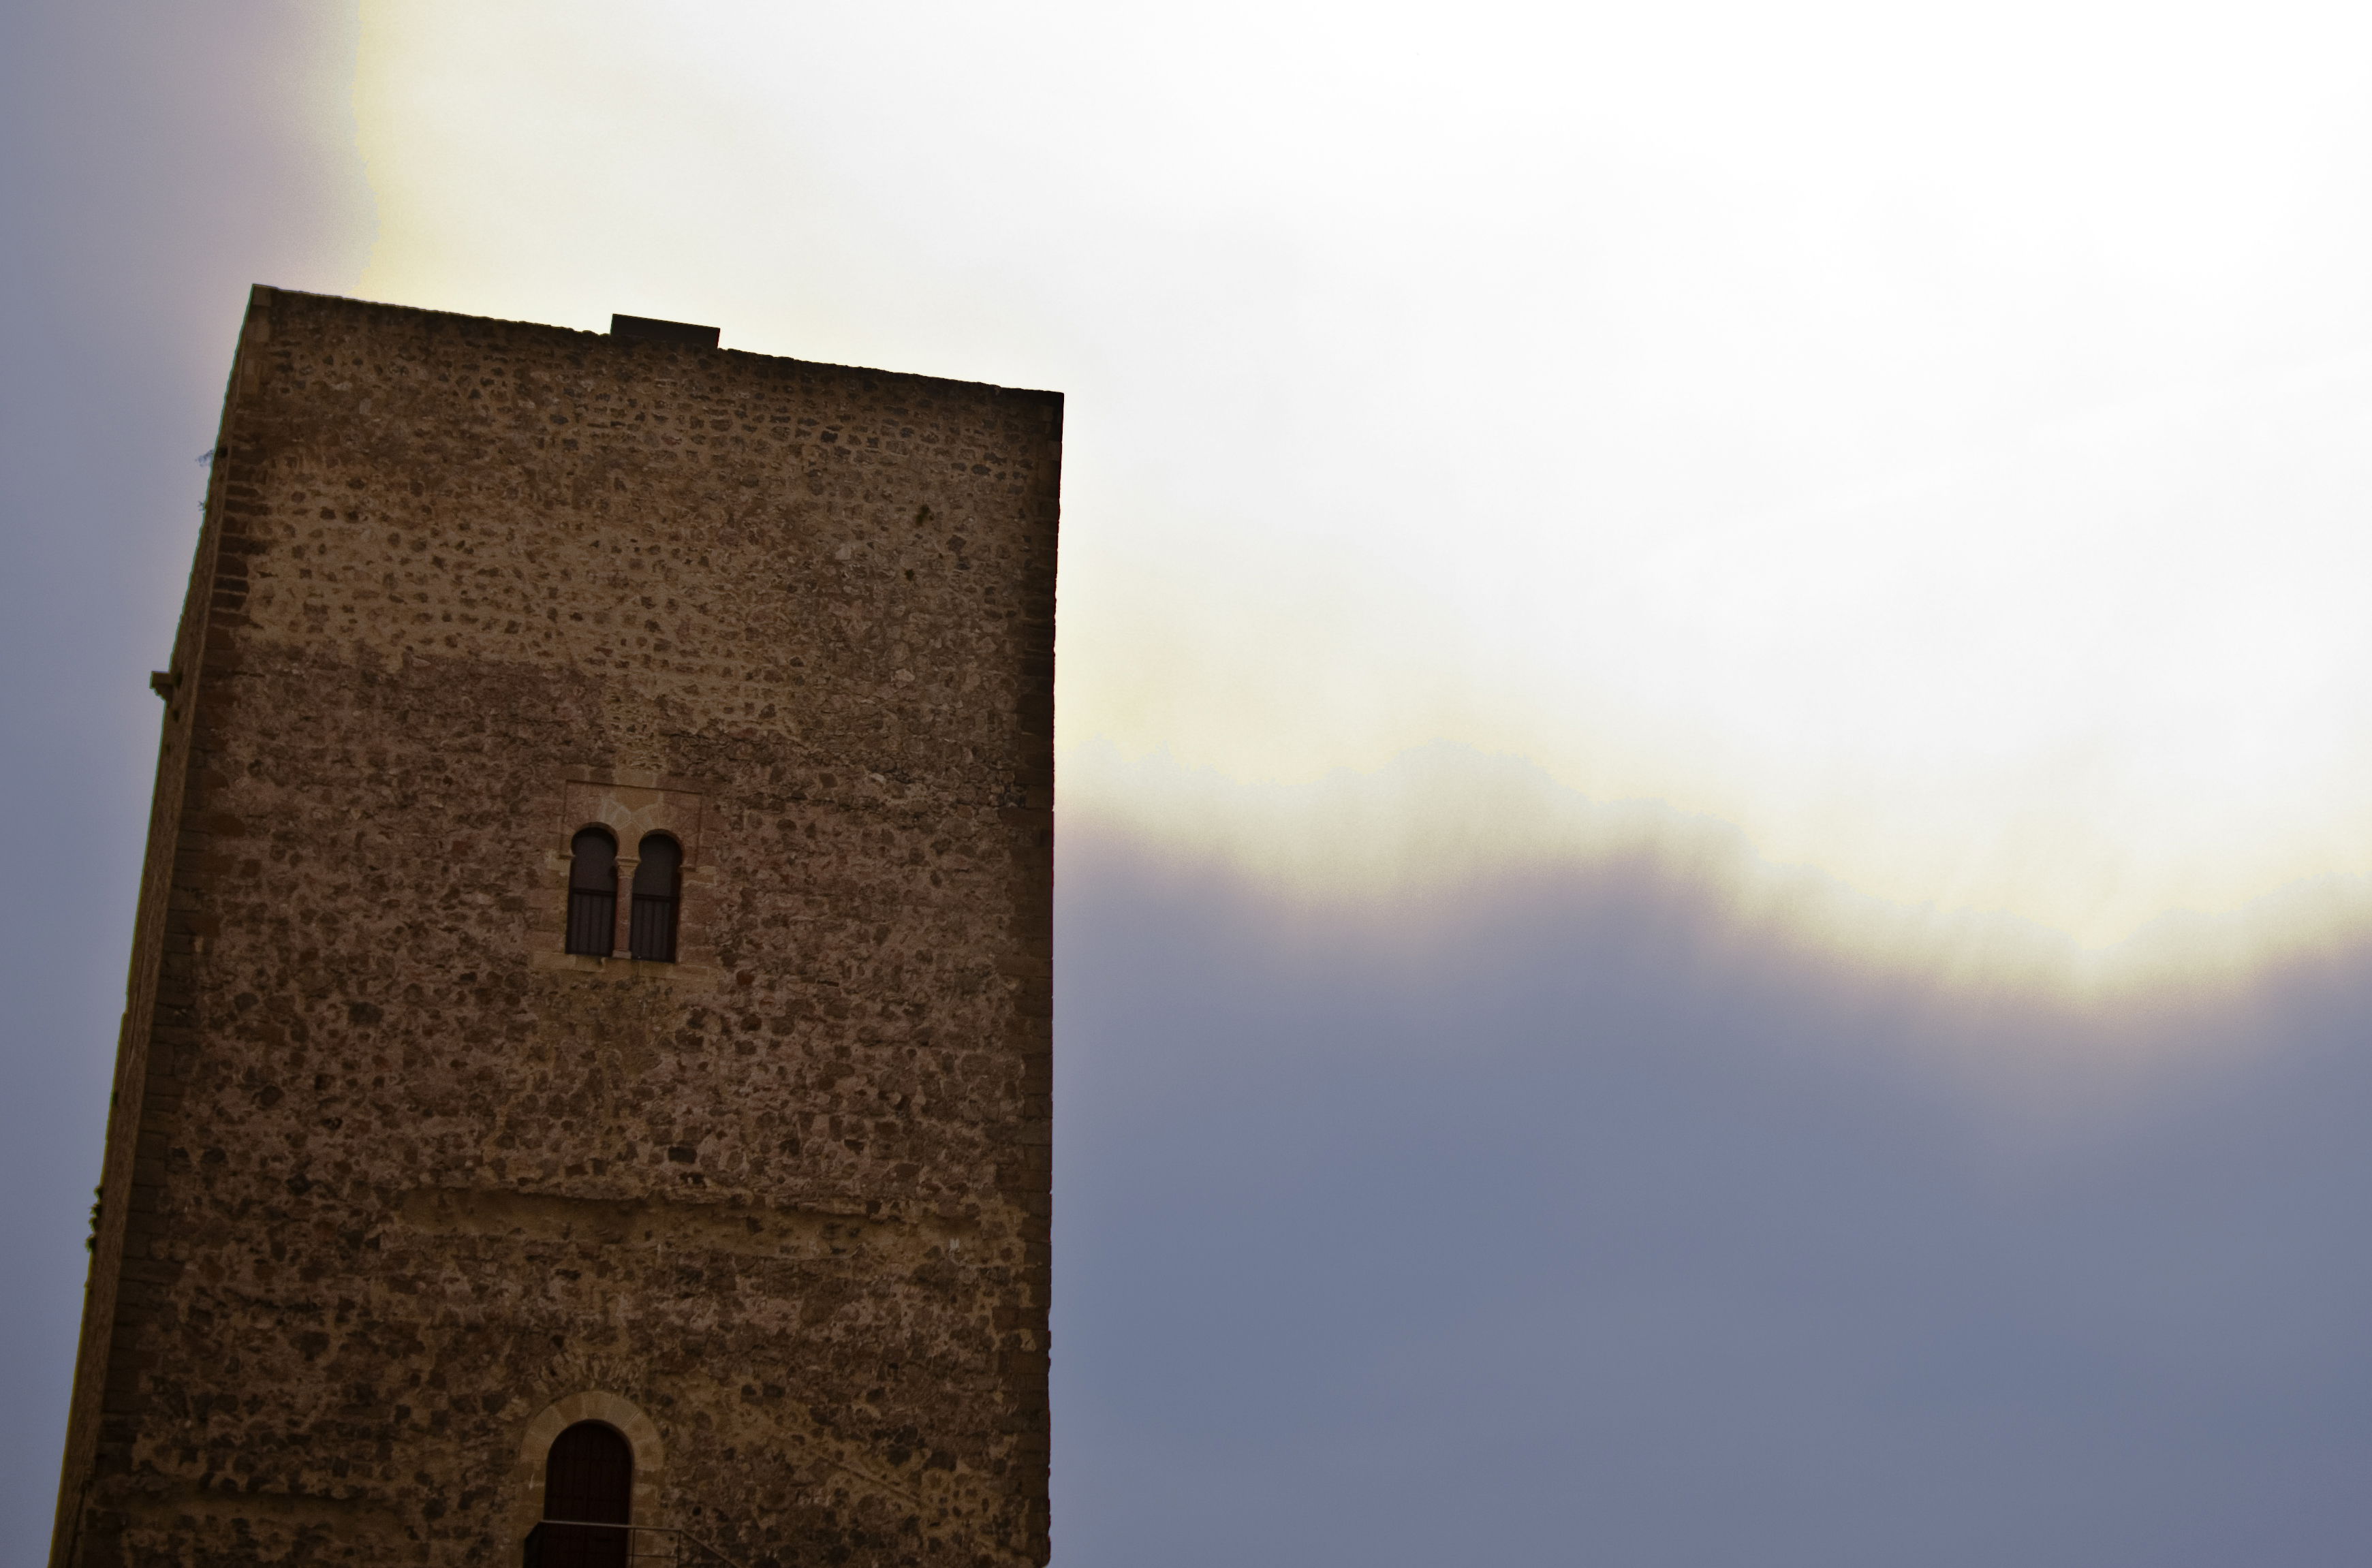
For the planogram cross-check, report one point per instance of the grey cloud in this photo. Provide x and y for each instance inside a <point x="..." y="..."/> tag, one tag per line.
<point x="1578" y="1229"/>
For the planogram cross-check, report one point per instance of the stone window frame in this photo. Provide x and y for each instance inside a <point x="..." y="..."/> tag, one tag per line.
<point x="641" y="1435"/>
<point x="629" y="806"/>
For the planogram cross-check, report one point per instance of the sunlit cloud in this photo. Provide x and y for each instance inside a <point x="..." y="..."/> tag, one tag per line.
<point x="1924" y="450"/>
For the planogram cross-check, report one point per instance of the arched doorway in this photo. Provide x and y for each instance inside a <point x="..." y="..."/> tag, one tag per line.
<point x="589" y="1483"/>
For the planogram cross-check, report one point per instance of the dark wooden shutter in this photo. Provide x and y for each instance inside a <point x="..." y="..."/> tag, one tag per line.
<point x="658" y="881"/>
<point x="593" y="893"/>
<point x="588" y="1481"/>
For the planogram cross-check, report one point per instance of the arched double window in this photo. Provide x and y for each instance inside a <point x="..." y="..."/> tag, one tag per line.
<point x="588" y="1499"/>
<point x="593" y="893"/>
<point x="593" y="896"/>
<point x="659" y="882"/>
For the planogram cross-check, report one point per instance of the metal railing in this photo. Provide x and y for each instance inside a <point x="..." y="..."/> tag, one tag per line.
<point x="585" y="1543"/>
<point x="592" y="922"/>
<point x="650" y="932"/>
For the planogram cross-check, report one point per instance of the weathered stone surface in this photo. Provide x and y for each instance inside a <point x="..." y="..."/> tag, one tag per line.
<point x="392" y="1178"/>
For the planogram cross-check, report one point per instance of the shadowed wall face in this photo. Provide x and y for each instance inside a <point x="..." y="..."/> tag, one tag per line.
<point x="397" y="1181"/>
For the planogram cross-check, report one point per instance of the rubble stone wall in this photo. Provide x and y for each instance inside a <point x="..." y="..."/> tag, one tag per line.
<point x="392" y="1178"/>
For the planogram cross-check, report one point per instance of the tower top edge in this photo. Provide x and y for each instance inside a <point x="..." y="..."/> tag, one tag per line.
<point x="263" y="300"/>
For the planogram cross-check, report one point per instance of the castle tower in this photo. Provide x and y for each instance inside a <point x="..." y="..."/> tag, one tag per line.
<point x="587" y="1053"/>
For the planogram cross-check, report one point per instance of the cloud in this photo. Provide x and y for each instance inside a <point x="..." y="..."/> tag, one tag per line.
<point x="1931" y="444"/>
<point x="1541" y="1218"/>
<point x="1448" y="816"/>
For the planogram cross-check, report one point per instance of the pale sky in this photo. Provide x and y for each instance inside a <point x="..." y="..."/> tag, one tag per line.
<point x="1929" y="441"/>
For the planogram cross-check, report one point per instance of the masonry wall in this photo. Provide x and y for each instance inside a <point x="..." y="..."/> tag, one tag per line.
<point x="395" y="1187"/>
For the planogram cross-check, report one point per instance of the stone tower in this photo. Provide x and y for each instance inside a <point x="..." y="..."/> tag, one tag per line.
<point x="588" y="1051"/>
